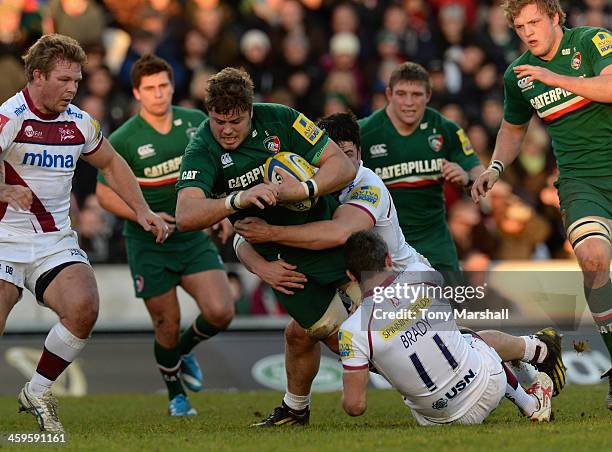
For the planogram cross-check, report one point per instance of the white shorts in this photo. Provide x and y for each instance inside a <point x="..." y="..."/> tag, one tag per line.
<point x="493" y="394"/>
<point x="62" y="248"/>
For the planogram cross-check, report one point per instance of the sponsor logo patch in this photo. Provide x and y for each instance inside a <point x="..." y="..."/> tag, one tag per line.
<point x="603" y="42"/>
<point x="466" y="144"/>
<point x="378" y="150"/>
<point x="226" y="160"/>
<point x="524" y="85"/>
<point x="307" y="129"/>
<point x="366" y="194"/>
<point x="19" y="110"/>
<point x="345" y="344"/>
<point x="146" y="150"/>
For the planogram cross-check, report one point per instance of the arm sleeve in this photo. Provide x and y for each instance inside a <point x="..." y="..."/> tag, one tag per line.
<point x="597" y="44"/>
<point x="305" y="138"/>
<point x="460" y="148"/>
<point x="199" y="168"/>
<point x="9" y="128"/>
<point x="516" y="108"/>
<point x="352" y="352"/>
<point x="93" y="135"/>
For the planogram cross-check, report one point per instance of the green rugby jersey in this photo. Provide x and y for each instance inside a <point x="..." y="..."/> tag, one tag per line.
<point x="580" y="129"/>
<point x="155" y="159"/>
<point x="274" y="128"/>
<point x="411" y="166"/>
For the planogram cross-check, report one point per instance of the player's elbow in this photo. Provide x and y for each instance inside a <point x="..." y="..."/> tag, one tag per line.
<point x="185" y="221"/>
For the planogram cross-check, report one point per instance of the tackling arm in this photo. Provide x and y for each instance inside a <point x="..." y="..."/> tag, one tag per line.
<point x="317" y="235"/>
<point x="355" y="392"/>
<point x="336" y="170"/>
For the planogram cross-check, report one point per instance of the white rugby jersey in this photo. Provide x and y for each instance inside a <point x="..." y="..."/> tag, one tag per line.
<point x="40" y="151"/>
<point x="369" y="193"/>
<point x="427" y="360"/>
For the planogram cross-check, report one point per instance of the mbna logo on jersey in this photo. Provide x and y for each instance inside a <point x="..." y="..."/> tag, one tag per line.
<point x="272" y="144"/>
<point x="435" y="142"/>
<point x="576" y="61"/>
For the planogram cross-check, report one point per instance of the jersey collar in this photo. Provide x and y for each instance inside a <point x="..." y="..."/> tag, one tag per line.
<point x="35" y="110"/>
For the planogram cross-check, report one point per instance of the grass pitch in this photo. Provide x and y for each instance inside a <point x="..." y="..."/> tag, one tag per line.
<point x="139" y="422"/>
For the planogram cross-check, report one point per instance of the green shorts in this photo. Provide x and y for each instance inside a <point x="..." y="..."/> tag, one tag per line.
<point x="157" y="268"/>
<point x="436" y="244"/>
<point x="325" y="271"/>
<point x="581" y="198"/>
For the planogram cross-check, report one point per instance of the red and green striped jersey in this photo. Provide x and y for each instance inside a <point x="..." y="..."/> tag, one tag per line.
<point x="155" y="159"/>
<point x="580" y="129"/>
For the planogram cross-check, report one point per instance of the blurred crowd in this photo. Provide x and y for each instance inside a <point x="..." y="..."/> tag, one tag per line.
<point x="320" y="57"/>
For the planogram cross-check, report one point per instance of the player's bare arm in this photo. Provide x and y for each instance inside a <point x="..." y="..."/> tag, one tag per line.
<point x="507" y="148"/>
<point x="112" y="202"/>
<point x="318" y="235"/>
<point x="335" y="172"/>
<point x="280" y="275"/>
<point x="355" y="391"/>
<point x="121" y="179"/>
<point x="598" y="88"/>
<point x="194" y="211"/>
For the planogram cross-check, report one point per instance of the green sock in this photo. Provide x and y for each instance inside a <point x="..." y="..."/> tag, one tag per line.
<point x="199" y="331"/>
<point x="600" y="304"/>
<point x="169" y="363"/>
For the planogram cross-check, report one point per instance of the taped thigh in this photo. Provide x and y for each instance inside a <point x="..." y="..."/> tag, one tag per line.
<point x="331" y="320"/>
<point x="588" y="227"/>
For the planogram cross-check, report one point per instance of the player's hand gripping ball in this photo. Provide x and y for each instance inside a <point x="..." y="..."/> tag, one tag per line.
<point x="298" y="167"/>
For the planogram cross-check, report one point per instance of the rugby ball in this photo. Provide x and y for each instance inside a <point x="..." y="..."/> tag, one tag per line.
<point x="298" y="167"/>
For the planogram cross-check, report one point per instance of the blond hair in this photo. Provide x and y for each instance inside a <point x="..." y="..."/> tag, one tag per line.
<point x="48" y="50"/>
<point x="512" y="8"/>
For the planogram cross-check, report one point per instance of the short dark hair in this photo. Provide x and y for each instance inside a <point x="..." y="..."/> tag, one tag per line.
<point x="341" y="127"/>
<point x="48" y="50"/>
<point x="149" y="65"/>
<point x="229" y="91"/>
<point x="411" y="72"/>
<point x="365" y="251"/>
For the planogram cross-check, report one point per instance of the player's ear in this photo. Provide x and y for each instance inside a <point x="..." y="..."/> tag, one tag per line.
<point x="351" y="276"/>
<point x="388" y="261"/>
<point x="136" y="94"/>
<point x="388" y="93"/>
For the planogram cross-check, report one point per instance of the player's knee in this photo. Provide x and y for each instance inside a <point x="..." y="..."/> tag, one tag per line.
<point x="221" y="315"/>
<point x="82" y="316"/>
<point x="167" y="327"/>
<point x="295" y="335"/>
<point x="593" y="256"/>
<point x="356" y="408"/>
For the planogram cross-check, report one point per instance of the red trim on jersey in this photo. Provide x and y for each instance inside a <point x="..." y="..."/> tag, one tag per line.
<point x="94" y="150"/>
<point x="58" y="133"/>
<point x="37" y="208"/>
<point x="420" y="183"/>
<point x="3" y="121"/>
<point x="567" y="110"/>
<point x="158" y="183"/>
<point x="362" y="367"/>
<point x="365" y="210"/>
<point x="602" y="317"/>
<point x="36" y="111"/>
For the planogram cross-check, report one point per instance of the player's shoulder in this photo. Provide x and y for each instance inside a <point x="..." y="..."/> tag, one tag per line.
<point x="14" y="108"/>
<point x="433" y="118"/>
<point x="365" y="176"/>
<point x="585" y="32"/>
<point x="127" y="129"/>
<point x="352" y="325"/>
<point x="192" y="114"/>
<point x="271" y="111"/>
<point x="371" y="122"/>
<point x="588" y="36"/>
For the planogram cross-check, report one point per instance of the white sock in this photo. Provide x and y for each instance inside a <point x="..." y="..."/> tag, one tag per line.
<point x="535" y="349"/>
<point x="62" y="343"/>
<point x="296" y="402"/>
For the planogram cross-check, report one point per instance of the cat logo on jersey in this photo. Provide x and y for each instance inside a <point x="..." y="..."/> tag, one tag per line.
<point x="272" y="144"/>
<point x="435" y="142"/>
<point x="365" y="194"/>
<point x="307" y="129"/>
<point x="466" y="144"/>
<point x="576" y="61"/>
<point x="345" y="344"/>
<point x="603" y="42"/>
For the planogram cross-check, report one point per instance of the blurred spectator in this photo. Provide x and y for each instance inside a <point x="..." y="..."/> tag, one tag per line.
<point x="469" y="231"/>
<point x="344" y="75"/>
<point x="255" y="48"/>
<point x="264" y="301"/>
<point x="497" y="39"/>
<point x="213" y="22"/>
<point x="520" y="229"/>
<point x="94" y="228"/>
<point x="82" y="20"/>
